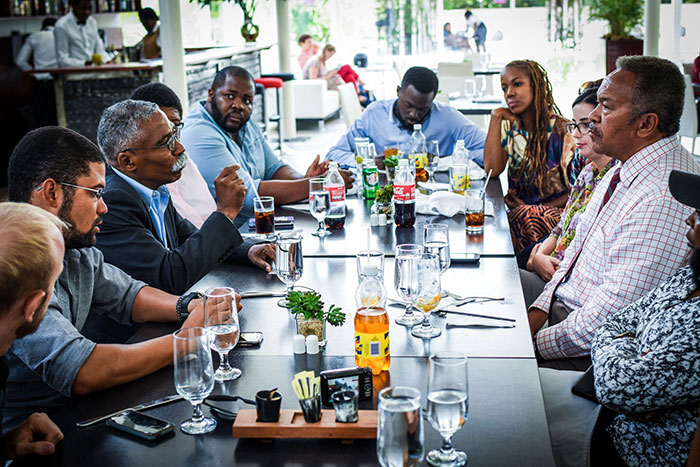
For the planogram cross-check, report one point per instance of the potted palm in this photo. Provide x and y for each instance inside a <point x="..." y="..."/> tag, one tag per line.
<point x="310" y="315"/>
<point x="622" y="17"/>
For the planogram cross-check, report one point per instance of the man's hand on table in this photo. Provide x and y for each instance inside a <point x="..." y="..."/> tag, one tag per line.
<point x="317" y="168"/>
<point x="348" y="178"/>
<point x="230" y="191"/>
<point x="537" y="318"/>
<point x="262" y="255"/>
<point x="37" y="435"/>
<point x="196" y="309"/>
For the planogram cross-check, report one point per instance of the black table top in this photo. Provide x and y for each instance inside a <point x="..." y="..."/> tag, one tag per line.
<point x="506" y="424"/>
<point x="495" y="240"/>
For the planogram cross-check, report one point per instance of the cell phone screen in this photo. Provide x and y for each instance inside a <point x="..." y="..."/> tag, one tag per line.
<point x="140" y="424"/>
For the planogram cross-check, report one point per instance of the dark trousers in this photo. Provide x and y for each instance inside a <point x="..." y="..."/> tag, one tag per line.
<point x="558" y="313"/>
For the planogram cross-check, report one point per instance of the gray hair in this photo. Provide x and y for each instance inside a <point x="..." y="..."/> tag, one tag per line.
<point x="121" y="126"/>
<point x="659" y="89"/>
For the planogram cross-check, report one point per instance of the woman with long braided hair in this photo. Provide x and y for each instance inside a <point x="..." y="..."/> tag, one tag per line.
<point x="531" y="134"/>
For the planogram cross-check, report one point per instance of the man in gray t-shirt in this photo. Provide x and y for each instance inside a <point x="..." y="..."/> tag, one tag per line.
<point x="63" y="172"/>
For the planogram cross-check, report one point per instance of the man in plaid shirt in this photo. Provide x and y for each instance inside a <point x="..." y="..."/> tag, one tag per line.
<point x="631" y="236"/>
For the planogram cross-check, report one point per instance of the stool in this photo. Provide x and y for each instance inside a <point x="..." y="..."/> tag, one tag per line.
<point x="282" y="122"/>
<point x="268" y="83"/>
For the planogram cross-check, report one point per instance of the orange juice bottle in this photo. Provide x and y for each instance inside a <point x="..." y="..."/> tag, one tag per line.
<point x="372" y="325"/>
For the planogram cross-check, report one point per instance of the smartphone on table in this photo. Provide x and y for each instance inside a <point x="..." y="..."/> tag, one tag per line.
<point x="141" y="425"/>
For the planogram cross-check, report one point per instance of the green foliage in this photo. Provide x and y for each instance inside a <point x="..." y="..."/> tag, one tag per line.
<point x="307" y="19"/>
<point x="248" y="6"/>
<point x="621" y="15"/>
<point x="473" y="4"/>
<point x="310" y="305"/>
<point x="385" y="193"/>
<point x="391" y="161"/>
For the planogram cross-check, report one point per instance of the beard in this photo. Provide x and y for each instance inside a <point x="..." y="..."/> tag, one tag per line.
<point x="73" y="238"/>
<point x="181" y="162"/>
<point x="695" y="266"/>
<point x="30" y="328"/>
<point x="220" y="119"/>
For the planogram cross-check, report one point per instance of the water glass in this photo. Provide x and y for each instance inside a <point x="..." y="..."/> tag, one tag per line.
<point x="474" y="210"/>
<point x="469" y="88"/>
<point x="429" y="294"/>
<point x="370" y="263"/>
<point x="448" y="404"/>
<point x="436" y="239"/>
<point x="194" y="376"/>
<point x="264" y="215"/>
<point x="399" y="427"/>
<point x="289" y="265"/>
<point x="433" y="148"/>
<point x="319" y="205"/>
<point x="406" y="280"/>
<point x="221" y="322"/>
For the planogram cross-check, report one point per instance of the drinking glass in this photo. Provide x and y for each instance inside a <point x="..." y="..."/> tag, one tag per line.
<point x="264" y="215"/>
<point x="429" y="294"/>
<point x="290" y="262"/>
<point x="319" y="205"/>
<point x="194" y="376"/>
<point x="448" y="403"/>
<point x="469" y="88"/>
<point x="221" y="322"/>
<point x="474" y="210"/>
<point x="399" y="427"/>
<point x="406" y="280"/>
<point x="436" y="239"/>
<point x="370" y="263"/>
<point x="433" y="157"/>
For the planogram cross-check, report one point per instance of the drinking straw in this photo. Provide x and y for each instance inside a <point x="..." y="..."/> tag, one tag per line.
<point x="369" y="236"/>
<point x="252" y="185"/>
<point x="488" y="177"/>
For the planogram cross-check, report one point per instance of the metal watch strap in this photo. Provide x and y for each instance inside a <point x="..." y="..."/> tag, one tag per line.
<point x="183" y="302"/>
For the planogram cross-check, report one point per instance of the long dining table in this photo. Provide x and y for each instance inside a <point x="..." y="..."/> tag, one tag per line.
<point x="506" y="423"/>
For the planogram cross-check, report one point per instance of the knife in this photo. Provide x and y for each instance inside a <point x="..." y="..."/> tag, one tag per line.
<point x="479" y="326"/>
<point x="476" y="315"/>
<point x="147" y="405"/>
<point x="262" y="294"/>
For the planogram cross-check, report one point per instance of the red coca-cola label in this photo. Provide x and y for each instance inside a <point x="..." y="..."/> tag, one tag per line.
<point x="337" y="192"/>
<point x="404" y="192"/>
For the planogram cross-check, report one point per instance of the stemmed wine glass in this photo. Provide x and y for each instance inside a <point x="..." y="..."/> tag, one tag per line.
<point x="406" y="280"/>
<point x="448" y="404"/>
<point x="194" y="376"/>
<point x="399" y="427"/>
<point x="221" y="322"/>
<point x="290" y="263"/>
<point x="319" y="205"/>
<point x="436" y="239"/>
<point x="433" y="152"/>
<point x="429" y="294"/>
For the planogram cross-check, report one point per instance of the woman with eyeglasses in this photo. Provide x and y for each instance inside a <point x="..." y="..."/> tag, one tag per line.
<point x="530" y="135"/>
<point x="544" y="257"/>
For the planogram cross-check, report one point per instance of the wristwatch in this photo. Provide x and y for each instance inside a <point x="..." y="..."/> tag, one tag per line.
<point x="183" y="302"/>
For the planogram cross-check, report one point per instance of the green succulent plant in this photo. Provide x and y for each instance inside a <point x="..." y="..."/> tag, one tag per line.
<point x="310" y="305"/>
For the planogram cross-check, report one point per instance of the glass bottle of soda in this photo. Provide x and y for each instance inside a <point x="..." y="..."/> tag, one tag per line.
<point x="419" y="153"/>
<point x="370" y="179"/>
<point x="404" y="196"/>
<point x="372" y="324"/>
<point x="335" y="185"/>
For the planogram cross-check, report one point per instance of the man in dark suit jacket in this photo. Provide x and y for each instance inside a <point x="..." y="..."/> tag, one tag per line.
<point x="142" y="233"/>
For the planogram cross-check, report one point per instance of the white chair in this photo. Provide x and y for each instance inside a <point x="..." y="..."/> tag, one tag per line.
<point x="349" y="103"/>
<point x="689" y="119"/>
<point x="313" y="100"/>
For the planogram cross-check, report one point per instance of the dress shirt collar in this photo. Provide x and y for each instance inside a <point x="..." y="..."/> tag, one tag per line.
<point x="77" y="21"/>
<point x="643" y="162"/>
<point x="393" y="116"/>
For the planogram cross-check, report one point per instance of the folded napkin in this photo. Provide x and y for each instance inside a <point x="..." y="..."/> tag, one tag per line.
<point x="446" y="204"/>
<point x="475" y="172"/>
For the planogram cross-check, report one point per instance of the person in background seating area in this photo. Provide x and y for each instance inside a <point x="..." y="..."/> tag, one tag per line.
<point x="308" y="50"/>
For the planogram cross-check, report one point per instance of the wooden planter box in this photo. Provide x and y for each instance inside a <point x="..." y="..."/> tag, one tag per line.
<point x="619" y="48"/>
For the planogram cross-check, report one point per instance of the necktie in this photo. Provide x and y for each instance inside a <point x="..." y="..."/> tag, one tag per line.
<point x="611" y="188"/>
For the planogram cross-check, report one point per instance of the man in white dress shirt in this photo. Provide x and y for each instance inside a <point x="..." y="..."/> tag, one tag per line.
<point x="41" y="48"/>
<point x="77" y="39"/>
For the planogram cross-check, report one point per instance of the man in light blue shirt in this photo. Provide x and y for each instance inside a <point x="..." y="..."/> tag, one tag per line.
<point x="218" y="132"/>
<point x="390" y="122"/>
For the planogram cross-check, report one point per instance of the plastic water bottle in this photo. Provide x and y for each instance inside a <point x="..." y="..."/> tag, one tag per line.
<point x="335" y="185"/>
<point x="419" y="153"/>
<point x="459" y="168"/>
<point x="404" y="196"/>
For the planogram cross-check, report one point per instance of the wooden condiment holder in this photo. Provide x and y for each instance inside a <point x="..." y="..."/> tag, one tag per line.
<point x="291" y="424"/>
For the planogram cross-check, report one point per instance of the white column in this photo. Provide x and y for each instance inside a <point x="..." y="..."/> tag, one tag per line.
<point x="288" y="124"/>
<point x="652" y="10"/>
<point x="677" y="32"/>
<point x="173" y="50"/>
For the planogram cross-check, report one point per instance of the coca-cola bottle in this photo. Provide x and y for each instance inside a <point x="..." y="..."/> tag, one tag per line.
<point x="335" y="185"/>
<point x="404" y="196"/>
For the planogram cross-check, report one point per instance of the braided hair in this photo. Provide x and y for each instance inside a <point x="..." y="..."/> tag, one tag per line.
<point x="535" y="159"/>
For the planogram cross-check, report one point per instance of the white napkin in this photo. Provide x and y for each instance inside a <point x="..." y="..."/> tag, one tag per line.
<point x="475" y="172"/>
<point x="446" y="204"/>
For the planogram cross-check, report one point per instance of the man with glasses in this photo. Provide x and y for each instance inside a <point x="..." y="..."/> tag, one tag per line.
<point x="63" y="173"/>
<point x="631" y="236"/>
<point x="142" y="233"/>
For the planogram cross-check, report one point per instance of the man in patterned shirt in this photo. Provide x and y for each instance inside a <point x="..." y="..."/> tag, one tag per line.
<point x="631" y="237"/>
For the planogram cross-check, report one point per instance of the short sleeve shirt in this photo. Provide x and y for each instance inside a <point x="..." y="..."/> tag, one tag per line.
<point x="43" y="365"/>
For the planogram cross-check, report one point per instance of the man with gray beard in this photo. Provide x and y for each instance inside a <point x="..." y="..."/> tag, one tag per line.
<point x="142" y="233"/>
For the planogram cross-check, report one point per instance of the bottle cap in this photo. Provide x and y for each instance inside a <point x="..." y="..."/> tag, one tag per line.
<point x="417" y="127"/>
<point x="312" y="344"/>
<point x="298" y="344"/>
<point x="370" y="269"/>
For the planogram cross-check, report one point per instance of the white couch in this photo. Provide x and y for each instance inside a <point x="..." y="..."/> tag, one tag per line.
<point x="313" y="100"/>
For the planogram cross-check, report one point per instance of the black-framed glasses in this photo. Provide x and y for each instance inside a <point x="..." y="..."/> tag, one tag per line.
<point x="582" y="127"/>
<point x="98" y="192"/>
<point x="170" y="143"/>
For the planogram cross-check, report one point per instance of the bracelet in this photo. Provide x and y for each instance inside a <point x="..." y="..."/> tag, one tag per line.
<point x="183" y="303"/>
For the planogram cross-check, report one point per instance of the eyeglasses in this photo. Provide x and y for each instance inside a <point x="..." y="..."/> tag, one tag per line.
<point x="97" y="192"/>
<point x="170" y="143"/>
<point x="582" y="127"/>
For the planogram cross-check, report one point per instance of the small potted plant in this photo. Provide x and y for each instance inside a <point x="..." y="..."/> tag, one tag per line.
<point x="310" y="315"/>
<point x="382" y="203"/>
<point x="622" y="17"/>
